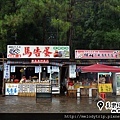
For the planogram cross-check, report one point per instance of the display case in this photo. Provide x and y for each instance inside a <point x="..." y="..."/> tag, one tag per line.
<point x="43" y="91"/>
<point x="55" y="80"/>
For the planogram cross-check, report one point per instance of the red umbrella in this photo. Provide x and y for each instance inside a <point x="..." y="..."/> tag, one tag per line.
<point x="100" y="68"/>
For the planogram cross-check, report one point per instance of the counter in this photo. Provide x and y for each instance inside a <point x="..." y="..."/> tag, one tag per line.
<point x="21" y="89"/>
<point x="84" y="92"/>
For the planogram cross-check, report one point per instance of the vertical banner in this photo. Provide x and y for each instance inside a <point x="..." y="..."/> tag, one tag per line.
<point x="6" y="71"/>
<point x="117" y="83"/>
<point x="12" y="69"/>
<point x="55" y="69"/>
<point x="48" y="69"/>
<point x="37" y="69"/>
<point x="72" y="73"/>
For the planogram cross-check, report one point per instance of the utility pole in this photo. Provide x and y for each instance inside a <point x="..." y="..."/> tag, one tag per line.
<point x="57" y="31"/>
<point x="3" y="82"/>
<point x="70" y="32"/>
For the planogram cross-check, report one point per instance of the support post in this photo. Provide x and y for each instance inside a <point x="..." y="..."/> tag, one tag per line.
<point x="3" y="82"/>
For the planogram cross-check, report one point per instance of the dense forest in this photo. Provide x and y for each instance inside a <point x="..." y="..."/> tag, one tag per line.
<point x="82" y="24"/>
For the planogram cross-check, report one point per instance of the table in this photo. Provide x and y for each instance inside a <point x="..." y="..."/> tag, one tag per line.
<point x="72" y="93"/>
<point x="84" y="92"/>
<point x="93" y="92"/>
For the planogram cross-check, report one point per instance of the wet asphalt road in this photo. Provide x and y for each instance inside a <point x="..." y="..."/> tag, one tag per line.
<point x="58" y="104"/>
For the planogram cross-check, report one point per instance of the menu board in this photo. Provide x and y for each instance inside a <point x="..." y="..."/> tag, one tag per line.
<point x="26" y="87"/>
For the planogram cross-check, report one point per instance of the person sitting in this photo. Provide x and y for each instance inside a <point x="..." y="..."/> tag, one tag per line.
<point x="23" y="79"/>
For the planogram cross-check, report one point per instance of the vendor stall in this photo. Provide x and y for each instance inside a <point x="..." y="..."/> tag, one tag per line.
<point x="26" y="85"/>
<point x="89" y="87"/>
<point x="29" y="65"/>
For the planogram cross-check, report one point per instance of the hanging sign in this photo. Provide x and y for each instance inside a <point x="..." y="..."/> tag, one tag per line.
<point x="117" y="83"/>
<point x="55" y="69"/>
<point x="107" y="87"/>
<point x="49" y="69"/>
<point x="12" y="69"/>
<point x="72" y="69"/>
<point x="37" y="69"/>
<point x="6" y="71"/>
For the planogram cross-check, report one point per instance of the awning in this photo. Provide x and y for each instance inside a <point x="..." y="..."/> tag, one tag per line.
<point x="100" y="68"/>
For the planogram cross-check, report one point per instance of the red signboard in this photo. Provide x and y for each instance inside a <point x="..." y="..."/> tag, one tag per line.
<point x="39" y="61"/>
<point x="97" y="54"/>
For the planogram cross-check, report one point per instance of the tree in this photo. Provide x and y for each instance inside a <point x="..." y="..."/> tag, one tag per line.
<point x="87" y="24"/>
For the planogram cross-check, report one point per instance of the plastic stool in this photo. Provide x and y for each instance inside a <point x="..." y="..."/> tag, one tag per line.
<point x="103" y="95"/>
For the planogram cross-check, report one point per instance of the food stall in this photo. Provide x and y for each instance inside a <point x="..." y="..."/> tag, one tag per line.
<point x="100" y="57"/>
<point x="34" y="63"/>
<point x="27" y="87"/>
<point x="88" y="87"/>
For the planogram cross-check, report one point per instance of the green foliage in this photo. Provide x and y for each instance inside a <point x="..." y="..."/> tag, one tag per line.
<point x="94" y="24"/>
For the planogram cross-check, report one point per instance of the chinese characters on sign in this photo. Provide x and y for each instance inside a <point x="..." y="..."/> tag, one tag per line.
<point x="11" y="89"/>
<point x="25" y="51"/>
<point x="105" y="87"/>
<point x="72" y="73"/>
<point x="6" y="71"/>
<point x="37" y="69"/>
<point x="114" y="107"/>
<point x="12" y="69"/>
<point x="117" y="83"/>
<point x="97" y="54"/>
<point x="39" y="61"/>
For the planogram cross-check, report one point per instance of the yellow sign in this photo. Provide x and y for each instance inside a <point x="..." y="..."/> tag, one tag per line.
<point x="105" y="87"/>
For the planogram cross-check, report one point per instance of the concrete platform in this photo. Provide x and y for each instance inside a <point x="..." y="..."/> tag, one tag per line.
<point x="58" y="104"/>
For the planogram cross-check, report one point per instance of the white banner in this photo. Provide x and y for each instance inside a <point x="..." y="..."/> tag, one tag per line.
<point x="29" y="51"/>
<point x="11" y="89"/>
<point x="48" y="69"/>
<point x="72" y="73"/>
<point x="6" y="71"/>
<point x="37" y="69"/>
<point x="12" y="69"/>
<point x="55" y="69"/>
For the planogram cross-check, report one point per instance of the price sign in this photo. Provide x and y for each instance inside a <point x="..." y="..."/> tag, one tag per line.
<point x="105" y="87"/>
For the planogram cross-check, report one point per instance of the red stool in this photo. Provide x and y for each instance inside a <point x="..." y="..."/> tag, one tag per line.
<point x="103" y="95"/>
